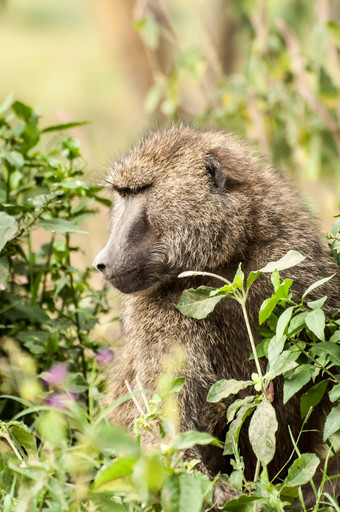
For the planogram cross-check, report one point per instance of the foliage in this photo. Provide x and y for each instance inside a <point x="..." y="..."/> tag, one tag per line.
<point x="300" y="344"/>
<point x="84" y="463"/>
<point x="46" y="304"/>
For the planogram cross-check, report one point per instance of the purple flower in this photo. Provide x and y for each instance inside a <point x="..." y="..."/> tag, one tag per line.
<point x="56" y="376"/>
<point x="60" y="400"/>
<point x="104" y="356"/>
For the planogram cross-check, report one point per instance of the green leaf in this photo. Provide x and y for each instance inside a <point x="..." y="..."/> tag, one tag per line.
<point x="73" y="183"/>
<point x="302" y="470"/>
<point x="284" y="363"/>
<point x="283" y="322"/>
<point x="296" y="380"/>
<point x="315" y="321"/>
<point x="275" y="279"/>
<point x="335" y="338"/>
<point x="262" y="428"/>
<point x="312" y="397"/>
<point x="198" y="303"/>
<point x="149" y="474"/>
<point x="176" y="385"/>
<point x="239" y="278"/>
<point x="23" y="111"/>
<point x="33" y="313"/>
<point x="8" y="228"/>
<point x="182" y="493"/>
<point x="34" y="341"/>
<point x="317" y="304"/>
<point x="188" y="439"/>
<point x="243" y="503"/>
<point x="16" y="160"/>
<point x="52" y="428"/>
<point x="224" y="388"/>
<point x="60" y="226"/>
<point x="117" y="469"/>
<point x="64" y="126"/>
<point x="336" y="227"/>
<point x="297" y="324"/>
<point x="267" y="307"/>
<point x="332" y="423"/>
<point x="289" y="260"/>
<point x="236" y="405"/>
<point x="252" y="278"/>
<point x="328" y="347"/>
<point x="109" y="438"/>
<point x="275" y="347"/>
<point x="235" y="427"/>
<point x="23" y="437"/>
<point x="334" y="393"/>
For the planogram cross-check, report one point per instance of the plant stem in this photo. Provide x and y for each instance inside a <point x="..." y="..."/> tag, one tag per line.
<point x="252" y="342"/>
<point x="257" y="470"/>
<point x="194" y="273"/>
<point x="47" y="265"/>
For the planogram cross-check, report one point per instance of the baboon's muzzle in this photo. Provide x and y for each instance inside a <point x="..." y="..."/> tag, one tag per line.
<point x="126" y="259"/>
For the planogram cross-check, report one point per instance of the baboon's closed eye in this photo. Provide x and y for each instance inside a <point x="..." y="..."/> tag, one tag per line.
<point x="127" y="191"/>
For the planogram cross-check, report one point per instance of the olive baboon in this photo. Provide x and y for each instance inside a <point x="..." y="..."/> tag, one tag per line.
<point x="200" y="200"/>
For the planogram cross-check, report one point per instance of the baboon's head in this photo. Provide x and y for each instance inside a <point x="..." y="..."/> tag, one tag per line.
<point x="181" y="202"/>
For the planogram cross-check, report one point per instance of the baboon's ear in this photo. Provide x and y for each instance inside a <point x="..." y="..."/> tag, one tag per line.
<point x="215" y="171"/>
<point x="222" y="174"/>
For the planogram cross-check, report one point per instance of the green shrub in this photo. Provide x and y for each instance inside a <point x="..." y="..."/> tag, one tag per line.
<point x="47" y="305"/>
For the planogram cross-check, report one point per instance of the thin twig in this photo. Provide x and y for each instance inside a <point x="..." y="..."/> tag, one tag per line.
<point x="145" y="400"/>
<point x="140" y="410"/>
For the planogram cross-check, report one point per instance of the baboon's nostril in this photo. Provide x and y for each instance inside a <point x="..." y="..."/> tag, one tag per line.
<point x="101" y="267"/>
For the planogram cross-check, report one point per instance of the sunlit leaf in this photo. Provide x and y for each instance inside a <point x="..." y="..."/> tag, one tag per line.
<point x="262" y="429"/>
<point x="224" y="388"/>
<point x="182" y="493"/>
<point x="296" y="380"/>
<point x="315" y="321"/>
<point x="64" y="126"/>
<point x="289" y="260"/>
<point x="60" y="226"/>
<point x="198" y="303"/>
<point x="332" y="423"/>
<point x="188" y="439"/>
<point x="302" y="470"/>
<point x="8" y="228"/>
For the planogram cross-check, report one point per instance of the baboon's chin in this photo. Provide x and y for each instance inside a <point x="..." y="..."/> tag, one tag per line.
<point x="136" y="285"/>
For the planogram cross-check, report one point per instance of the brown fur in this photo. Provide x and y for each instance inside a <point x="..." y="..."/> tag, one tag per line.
<point x="196" y="223"/>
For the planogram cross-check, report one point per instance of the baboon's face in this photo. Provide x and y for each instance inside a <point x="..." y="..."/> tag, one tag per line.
<point x="172" y="200"/>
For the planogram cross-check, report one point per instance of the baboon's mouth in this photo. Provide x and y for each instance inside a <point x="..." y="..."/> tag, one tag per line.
<point x="122" y="276"/>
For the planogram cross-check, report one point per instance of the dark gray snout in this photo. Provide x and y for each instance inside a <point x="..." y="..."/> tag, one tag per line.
<point x="128" y="259"/>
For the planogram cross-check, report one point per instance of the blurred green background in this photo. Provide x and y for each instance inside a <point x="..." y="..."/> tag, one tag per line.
<point x="266" y="70"/>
